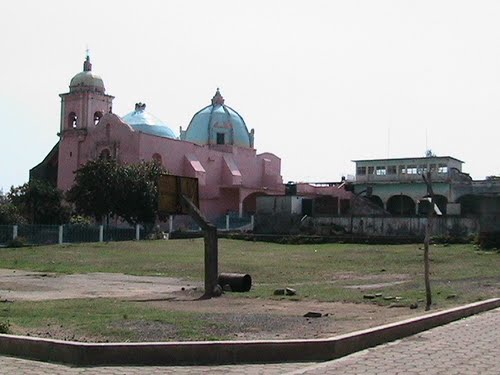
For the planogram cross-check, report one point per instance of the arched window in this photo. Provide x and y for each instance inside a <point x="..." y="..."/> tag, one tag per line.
<point x="424" y="205"/>
<point x="105" y="154"/>
<point x="72" y="120"/>
<point x="157" y="158"/>
<point x="97" y="117"/>
<point x="376" y="200"/>
<point x="401" y="205"/>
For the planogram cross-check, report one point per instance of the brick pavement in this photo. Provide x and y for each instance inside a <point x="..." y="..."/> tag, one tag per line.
<point x="468" y="346"/>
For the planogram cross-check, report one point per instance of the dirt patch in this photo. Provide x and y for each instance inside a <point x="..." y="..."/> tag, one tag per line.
<point x="252" y="319"/>
<point x="231" y="316"/>
<point x="18" y="285"/>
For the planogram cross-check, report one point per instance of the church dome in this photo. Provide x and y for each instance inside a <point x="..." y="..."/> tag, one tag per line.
<point x="86" y="80"/>
<point x="218" y="124"/>
<point x="142" y="121"/>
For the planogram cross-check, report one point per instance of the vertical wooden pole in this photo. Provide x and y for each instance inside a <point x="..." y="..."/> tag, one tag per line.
<point x="428" y="294"/>
<point x="211" y="261"/>
<point x="211" y="248"/>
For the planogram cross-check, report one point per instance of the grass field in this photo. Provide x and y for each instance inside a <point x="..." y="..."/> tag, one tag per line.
<point x="323" y="272"/>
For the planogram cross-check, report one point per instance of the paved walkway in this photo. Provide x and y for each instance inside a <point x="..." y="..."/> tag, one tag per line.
<point x="469" y="346"/>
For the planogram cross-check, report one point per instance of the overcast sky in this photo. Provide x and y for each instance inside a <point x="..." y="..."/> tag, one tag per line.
<point x="321" y="82"/>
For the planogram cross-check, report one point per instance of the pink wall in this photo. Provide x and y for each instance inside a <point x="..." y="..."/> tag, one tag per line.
<point x="227" y="175"/>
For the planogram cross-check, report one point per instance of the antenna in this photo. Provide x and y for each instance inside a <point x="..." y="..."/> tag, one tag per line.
<point x="388" y="141"/>
<point x="426" y="143"/>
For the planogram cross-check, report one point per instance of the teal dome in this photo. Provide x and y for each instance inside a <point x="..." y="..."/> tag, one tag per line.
<point x="218" y="124"/>
<point x="142" y="121"/>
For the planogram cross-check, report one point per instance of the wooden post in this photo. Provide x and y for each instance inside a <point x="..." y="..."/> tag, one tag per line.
<point x="211" y="261"/>
<point x="428" y="294"/>
<point x="211" y="248"/>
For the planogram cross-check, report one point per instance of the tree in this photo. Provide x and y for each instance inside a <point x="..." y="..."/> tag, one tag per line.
<point x="94" y="191"/>
<point x="430" y="193"/>
<point x="9" y="214"/>
<point x="138" y="192"/>
<point x="38" y="202"/>
<point x="104" y="187"/>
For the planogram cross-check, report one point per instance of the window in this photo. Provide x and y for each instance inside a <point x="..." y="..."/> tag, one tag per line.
<point x="411" y="169"/>
<point x="220" y="138"/>
<point x="157" y="158"/>
<point x="391" y="169"/>
<point x="442" y="168"/>
<point x="105" y="154"/>
<point x="361" y="171"/>
<point x="432" y="167"/>
<point x="402" y="169"/>
<point x="381" y="171"/>
<point x="370" y="170"/>
<point x="422" y="169"/>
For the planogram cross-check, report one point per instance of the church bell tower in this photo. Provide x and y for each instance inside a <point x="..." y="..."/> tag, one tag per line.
<point x="81" y="109"/>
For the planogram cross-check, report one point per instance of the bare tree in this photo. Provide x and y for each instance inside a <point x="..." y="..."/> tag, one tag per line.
<point x="430" y="194"/>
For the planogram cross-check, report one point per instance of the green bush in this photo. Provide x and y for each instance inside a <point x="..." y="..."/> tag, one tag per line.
<point x="489" y="240"/>
<point x="5" y="327"/>
<point x="17" y="242"/>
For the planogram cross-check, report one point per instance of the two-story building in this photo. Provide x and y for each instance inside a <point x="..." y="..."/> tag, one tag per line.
<point x="397" y="185"/>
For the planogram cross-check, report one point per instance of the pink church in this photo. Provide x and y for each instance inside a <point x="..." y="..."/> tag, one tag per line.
<point x="216" y="147"/>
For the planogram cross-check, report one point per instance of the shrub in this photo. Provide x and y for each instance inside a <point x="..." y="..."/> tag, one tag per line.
<point x="17" y="242"/>
<point x="489" y="240"/>
<point x="5" y="327"/>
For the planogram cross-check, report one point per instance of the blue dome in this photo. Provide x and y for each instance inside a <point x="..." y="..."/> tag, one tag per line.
<point x="218" y="124"/>
<point x="142" y="121"/>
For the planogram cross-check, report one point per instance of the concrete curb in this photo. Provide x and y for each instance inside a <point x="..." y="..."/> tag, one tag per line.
<point x="229" y="352"/>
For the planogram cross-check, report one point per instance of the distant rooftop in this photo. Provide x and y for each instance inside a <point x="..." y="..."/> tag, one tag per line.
<point x="410" y="158"/>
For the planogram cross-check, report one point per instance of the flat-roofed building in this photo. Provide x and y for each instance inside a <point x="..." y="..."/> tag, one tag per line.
<point x="398" y="187"/>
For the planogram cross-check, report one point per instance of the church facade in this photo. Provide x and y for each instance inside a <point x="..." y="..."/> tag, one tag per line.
<point x="216" y="147"/>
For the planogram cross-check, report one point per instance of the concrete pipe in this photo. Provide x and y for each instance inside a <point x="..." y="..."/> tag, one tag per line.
<point x="238" y="282"/>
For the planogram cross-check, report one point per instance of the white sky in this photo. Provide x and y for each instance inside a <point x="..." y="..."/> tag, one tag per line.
<point x="322" y="82"/>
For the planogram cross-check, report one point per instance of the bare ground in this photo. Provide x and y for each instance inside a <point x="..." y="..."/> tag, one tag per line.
<point x="233" y="317"/>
